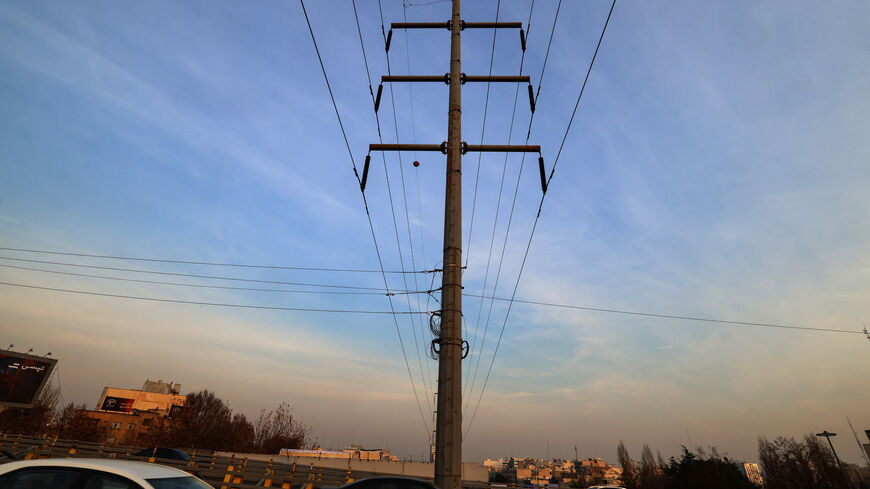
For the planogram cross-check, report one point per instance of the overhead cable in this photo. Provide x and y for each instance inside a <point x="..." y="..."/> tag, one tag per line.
<point x="537" y="218"/>
<point x="218" y="264"/>
<point x="191" y="275"/>
<point x="482" y="132"/>
<point x="407" y="217"/>
<point x="200" y="303"/>
<point x="423" y="329"/>
<point x="466" y="395"/>
<point x="377" y="249"/>
<point x="220" y="287"/>
<point x="513" y="202"/>
<point x="668" y="316"/>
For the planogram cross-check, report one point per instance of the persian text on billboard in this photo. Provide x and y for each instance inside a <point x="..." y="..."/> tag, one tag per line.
<point x="21" y="378"/>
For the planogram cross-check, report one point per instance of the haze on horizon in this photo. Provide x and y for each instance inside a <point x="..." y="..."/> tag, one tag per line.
<point x="717" y="167"/>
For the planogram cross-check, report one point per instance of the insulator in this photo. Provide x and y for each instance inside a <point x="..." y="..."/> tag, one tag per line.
<point x="531" y="98"/>
<point x="543" y="174"/>
<point x="362" y="183"/>
<point x="378" y="97"/>
<point x="389" y="39"/>
<point x="523" y="39"/>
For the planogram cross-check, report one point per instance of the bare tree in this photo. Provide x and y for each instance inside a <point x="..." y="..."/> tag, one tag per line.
<point x="650" y="476"/>
<point x="202" y="423"/>
<point x="31" y="421"/>
<point x="629" y="470"/>
<point x="71" y="423"/>
<point x="791" y="464"/>
<point x="278" y="429"/>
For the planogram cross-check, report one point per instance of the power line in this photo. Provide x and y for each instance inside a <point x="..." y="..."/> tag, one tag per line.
<point x="419" y="196"/>
<point x="407" y="3"/>
<point x="328" y="87"/>
<point x="372" y="229"/>
<point x="497" y="211"/>
<point x="203" y="286"/>
<point x="392" y="208"/>
<point x="576" y="105"/>
<point x="546" y="57"/>
<point x="538" y="216"/>
<point x="667" y="316"/>
<point x="407" y="218"/>
<point x="216" y="304"/>
<point x="189" y="262"/>
<point x="513" y="202"/>
<point x="192" y="275"/>
<point x="482" y="132"/>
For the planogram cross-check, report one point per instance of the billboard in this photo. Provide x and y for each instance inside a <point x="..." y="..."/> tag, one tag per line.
<point x="118" y="404"/>
<point x="22" y="378"/>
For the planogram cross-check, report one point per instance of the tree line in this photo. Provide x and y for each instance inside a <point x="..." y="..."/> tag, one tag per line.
<point x="205" y="422"/>
<point x="785" y="463"/>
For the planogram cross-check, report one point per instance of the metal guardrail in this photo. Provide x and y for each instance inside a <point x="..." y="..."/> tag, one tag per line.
<point x="221" y="472"/>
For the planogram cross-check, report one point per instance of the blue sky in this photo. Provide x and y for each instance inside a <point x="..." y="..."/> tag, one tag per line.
<point x="717" y="167"/>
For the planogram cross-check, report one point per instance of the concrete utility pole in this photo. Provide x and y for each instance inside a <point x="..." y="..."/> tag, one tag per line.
<point x="827" y="434"/>
<point x="450" y="345"/>
<point x="448" y="425"/>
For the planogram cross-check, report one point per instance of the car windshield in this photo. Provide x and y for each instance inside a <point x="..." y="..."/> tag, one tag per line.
<point x="183" y="482"/>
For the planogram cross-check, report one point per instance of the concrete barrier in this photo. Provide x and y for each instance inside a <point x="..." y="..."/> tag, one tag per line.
<point x="424" y="470"/>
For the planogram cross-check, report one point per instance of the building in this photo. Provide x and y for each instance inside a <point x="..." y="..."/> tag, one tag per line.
<point x="353" y="452"/>
<point x="125" y="416"/>
<point x="597" y="471"/>
<point x="752" y="473"/>
<point x="153" y="396"/>
<point x="125" y="428"/>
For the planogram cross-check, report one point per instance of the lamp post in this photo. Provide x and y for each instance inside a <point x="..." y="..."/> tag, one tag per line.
<point x="827" y="434"/>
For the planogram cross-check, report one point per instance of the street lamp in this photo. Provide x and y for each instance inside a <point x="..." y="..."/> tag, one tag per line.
<point x="827" y="434"/>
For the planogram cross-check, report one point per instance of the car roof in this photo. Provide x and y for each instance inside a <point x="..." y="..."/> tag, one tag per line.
<point x="132" y="470"/>
<point x="388" y="478"/>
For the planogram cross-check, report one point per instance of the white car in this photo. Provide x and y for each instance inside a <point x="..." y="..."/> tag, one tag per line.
<point x="94" y="473"/>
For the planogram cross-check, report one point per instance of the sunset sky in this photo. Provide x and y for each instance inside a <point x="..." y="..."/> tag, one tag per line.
<point x="718" y="166"/>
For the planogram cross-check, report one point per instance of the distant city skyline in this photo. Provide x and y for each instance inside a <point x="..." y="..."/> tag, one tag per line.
<point x="716" y="168"/>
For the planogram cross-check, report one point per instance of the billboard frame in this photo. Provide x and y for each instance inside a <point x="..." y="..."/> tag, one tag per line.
<point x="52" y="364"/>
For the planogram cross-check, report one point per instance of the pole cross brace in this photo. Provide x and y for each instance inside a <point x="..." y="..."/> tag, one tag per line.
<point x="463" y="78"/>
<point x="476" y="148"/>
<point x="462" y="25"/>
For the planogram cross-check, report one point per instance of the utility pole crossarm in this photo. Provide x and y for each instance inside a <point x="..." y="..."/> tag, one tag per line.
<point x="463" y="78"/>
<point x="464" y="147"/>
<point x="462" y="25"/>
